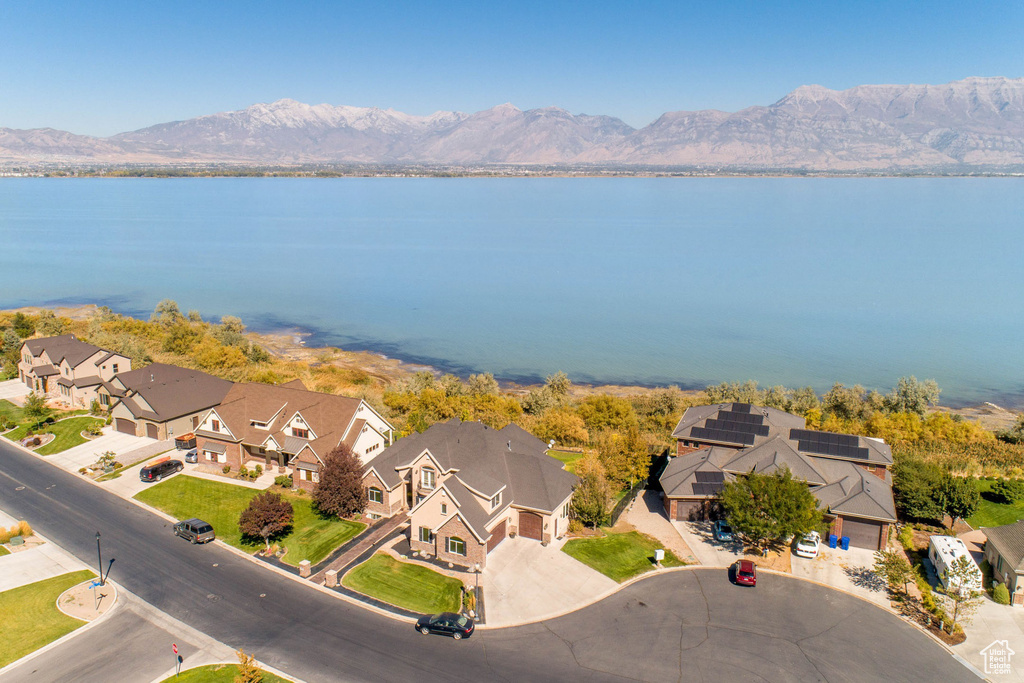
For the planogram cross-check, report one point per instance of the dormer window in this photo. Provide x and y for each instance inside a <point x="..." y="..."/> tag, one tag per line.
<point x="257" y="424"/>
<point x="496" y="500"/>
<point x="301" y="433"/>
<point x="427" y="478"/>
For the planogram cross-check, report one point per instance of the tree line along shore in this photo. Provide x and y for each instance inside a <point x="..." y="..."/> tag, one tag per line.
<point x="618" y="428"/>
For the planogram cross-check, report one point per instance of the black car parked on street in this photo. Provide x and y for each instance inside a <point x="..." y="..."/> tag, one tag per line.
<point x="447" y="623"/>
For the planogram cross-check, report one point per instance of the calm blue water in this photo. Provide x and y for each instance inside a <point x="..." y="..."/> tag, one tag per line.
<point x="656" y="281"/>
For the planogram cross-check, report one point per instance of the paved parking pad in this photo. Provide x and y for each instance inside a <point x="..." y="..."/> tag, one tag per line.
<point x="13" y="389"/>
<point x="524" y="581"/>
<point x="88" y="453"/>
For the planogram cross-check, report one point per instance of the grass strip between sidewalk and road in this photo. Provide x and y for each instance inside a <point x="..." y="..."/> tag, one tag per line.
<point x="217" y="673"/>
<point x="312" y="537"/>
<point x="619" y="556"/>
<point x="30" y="618"/>
<point x="67" y="434"/>
<point x="406" y="585"/>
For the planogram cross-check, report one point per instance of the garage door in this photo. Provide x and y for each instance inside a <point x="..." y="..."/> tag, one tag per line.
<point x="530" y="525"/>
<point x="152" y="431"/>
<point x="125" y="426"/>
<point x="862" y="533"/>
<point x="497" y="536"/>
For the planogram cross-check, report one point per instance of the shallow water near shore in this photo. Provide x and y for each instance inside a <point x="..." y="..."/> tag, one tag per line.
<point x="628" y="280"/>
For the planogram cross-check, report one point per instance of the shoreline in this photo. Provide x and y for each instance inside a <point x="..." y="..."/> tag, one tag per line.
<point x="295" y="343"/>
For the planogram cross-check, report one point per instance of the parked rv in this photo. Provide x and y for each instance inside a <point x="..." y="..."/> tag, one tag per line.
<point x="943" y="552"/>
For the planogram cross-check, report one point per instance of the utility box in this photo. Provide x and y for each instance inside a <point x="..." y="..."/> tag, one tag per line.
<point x="659" y="555"/>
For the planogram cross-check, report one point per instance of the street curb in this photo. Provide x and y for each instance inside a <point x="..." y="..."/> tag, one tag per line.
<point x="118" y="604"/>
<point x="269" y="669"/>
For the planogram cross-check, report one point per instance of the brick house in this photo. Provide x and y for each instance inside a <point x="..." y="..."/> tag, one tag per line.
<point x="68" y="369"/>
<point x="161" y="401"/>
<point x="282" y="426"/>
<point x="467" y="487"/>
<point x="848" y="474"/>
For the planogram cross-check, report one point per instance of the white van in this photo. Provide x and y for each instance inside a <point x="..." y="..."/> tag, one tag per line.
<point x="943" y="551"/>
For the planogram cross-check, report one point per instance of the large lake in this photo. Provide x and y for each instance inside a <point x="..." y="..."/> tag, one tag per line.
<point x="630" y="280"/>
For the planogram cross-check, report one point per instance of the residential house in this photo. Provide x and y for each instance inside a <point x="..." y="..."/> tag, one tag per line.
<point x="1004" y="550"/>
<point x="287" y="425"/>
<point x="848" y="474"/>
<point x="161" y="401"/>
<point x="68" y="369"/>
<point x="467" y="487"/>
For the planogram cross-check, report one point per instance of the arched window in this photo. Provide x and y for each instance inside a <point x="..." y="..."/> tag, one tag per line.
<point x="456" y="546"/>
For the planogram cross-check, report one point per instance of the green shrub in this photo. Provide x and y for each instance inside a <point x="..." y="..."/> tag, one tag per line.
<point x="1008" y="491"/>
<point x="1001" y="594"/>
<point x="906" y="537"/>
<point x="226" y="469"/>
<point x="284" y="481"/>
<point x="243" y="472"/>
<point x="257" y="471"/>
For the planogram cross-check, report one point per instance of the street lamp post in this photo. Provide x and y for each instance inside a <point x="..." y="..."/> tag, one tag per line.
<point x="99" y="556"/>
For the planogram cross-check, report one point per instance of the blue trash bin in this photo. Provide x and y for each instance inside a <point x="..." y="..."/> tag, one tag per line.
<point x="832" y="541"/>
<point x="844" y="543"/>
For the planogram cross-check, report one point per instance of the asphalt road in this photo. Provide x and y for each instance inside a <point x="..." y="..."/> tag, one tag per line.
<point x="686" y="626"/>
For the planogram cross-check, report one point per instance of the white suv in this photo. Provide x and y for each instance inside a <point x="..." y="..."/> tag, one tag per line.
<point x="808" y="545"/>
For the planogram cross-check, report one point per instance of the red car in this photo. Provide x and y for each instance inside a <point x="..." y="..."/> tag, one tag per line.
<point x="746" y="573"/>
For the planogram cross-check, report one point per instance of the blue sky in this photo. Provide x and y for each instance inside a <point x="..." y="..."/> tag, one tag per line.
<point x="100" y="68"/>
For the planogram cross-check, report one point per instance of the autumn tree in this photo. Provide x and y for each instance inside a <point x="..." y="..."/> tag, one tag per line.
<point x="607" y="412"/>
<point x="267" y="516"/>
<point x="766" y="509"/>
<point x="562" y="426"/>
<point x="483" y="384"/>
<point x="558" y="384"/>
<point x="591" y="501"/>
<point x="167" y="313"/>
<point x="248" y="670"/>
<point x="624" y="455"/>
<point x="340" y="492"/>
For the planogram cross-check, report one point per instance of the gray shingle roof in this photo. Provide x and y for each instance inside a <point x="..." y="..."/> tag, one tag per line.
<point x="484" y="459"/>
<point x="172" y="391"/>
<point x="1008" y="541"/>
<point x="63" y="347"/>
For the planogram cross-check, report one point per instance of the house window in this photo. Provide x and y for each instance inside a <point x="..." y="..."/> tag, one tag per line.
<point x="114" y="368"/>
<point x="104" y="400"/>
<point x="316" y="477"/>
<point x="215" y="425"/>
<point x="427" y="478"/>
<point x="444" y="508"/>
<point x="496" y="500"/>
<point x="456" y="546"/>
<point x="302" y="475"/>
<point x="375" y="495"/>
<point x="301" y="433"/>
<point x="425" y="534"/>
<point x="373" y="515"/>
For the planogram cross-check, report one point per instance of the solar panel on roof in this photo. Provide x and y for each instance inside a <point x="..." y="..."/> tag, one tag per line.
<point x="709" y="477"/>
<point x="742" y="427"/>
<point x="741" y="407"/>
<point x="706" y="489"/>
<point x="726" y="436"/>
<point x="747" y="418"/>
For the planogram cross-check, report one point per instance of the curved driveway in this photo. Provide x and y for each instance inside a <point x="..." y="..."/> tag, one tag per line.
<point x="686" y="626"/>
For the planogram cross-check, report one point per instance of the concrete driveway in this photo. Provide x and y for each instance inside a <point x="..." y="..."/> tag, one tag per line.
<point x="525" y="581"/>
<point x="89" y="452"/>
<point x="705" y="548"/>
<point x="13" y="389"/>
<point x="849" y="570"/>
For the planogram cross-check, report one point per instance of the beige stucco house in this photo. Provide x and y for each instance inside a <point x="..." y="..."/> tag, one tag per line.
<point x="467" y="487"/>
<point x="68" y="369"/>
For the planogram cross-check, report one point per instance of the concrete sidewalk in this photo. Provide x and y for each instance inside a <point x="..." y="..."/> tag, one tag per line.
<point x="44" y="561"/>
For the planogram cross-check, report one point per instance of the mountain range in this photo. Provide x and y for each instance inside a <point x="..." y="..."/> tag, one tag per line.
<point x="971" y="123"/>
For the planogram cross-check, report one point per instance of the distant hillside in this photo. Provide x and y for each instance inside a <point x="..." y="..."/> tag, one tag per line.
<point x="976" y="122"/>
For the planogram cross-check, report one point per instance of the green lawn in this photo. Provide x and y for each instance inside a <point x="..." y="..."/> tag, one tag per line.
<point x="994" y="514"/>
<point x="12" y="412"/>
<point x="4" y="551"/>
<point x="405" y="585"/>
<point x="568" y="458"/>
<point x="217" y="673"/>
<point x="619" y="556"/>
<point x="221" y="504"/>
<point x="67" y="433"/>
<point x="31" y="618"/>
